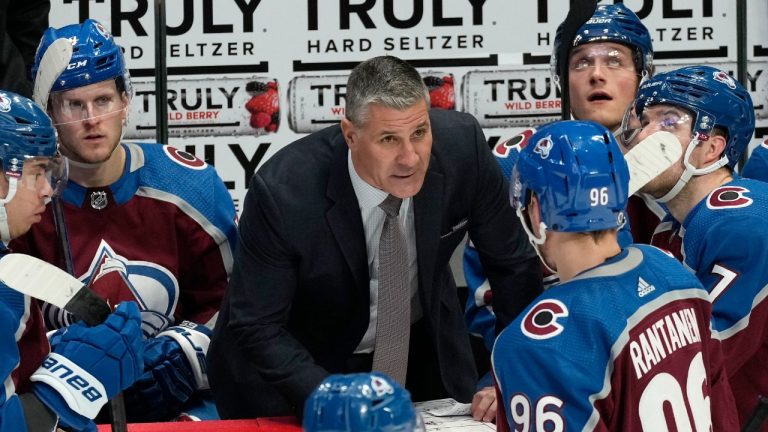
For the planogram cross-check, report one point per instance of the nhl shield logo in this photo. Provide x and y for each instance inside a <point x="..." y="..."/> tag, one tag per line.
<point x="99" y="200"/>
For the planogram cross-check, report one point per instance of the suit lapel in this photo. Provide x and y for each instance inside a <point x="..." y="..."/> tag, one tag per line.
<point x="428" y="205"/>
<point x="344" y="217"/>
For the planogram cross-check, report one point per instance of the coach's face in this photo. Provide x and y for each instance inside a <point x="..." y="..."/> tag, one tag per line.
<point x="391" y="148"/>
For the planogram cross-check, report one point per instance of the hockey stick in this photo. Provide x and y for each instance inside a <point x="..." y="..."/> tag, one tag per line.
<point x="55" y="60"/>
<point x="578" y="14"/>
<point x="44" y="281"/>
<point x="758" y="417"/>
<point x="651" y="157"/>
<point x="41" y="280"/>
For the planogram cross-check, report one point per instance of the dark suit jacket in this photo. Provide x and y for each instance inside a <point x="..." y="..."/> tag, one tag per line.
<point x="297" y="303"/>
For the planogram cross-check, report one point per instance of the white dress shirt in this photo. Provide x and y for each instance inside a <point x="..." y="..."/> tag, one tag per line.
<point x="369" y="198"/>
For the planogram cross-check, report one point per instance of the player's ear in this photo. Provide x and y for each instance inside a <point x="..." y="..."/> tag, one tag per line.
<point x="534" y="215"/>
<point x="713" y="148"/>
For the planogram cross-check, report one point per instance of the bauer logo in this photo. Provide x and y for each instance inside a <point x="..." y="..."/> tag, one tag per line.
<point x="216" y="107"/>
<point x="316" y="102"/>
<point x="521" y="97"/>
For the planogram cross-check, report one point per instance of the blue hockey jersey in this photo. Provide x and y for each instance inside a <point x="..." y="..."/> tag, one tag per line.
<point x="724" y="240"/>
<point x="625" y="346"/>
<point x="757" y="165"/>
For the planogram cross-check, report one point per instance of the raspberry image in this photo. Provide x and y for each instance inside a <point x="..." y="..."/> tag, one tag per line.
<point x="264" y="105"/>
<point x="441" y="92"/>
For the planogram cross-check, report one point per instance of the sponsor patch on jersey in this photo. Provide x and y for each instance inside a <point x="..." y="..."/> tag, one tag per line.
<point x="726" y="197"/>
<point x="544" y="146"/>
<point x="541" y="321"/>
<point x="184" y="159"/>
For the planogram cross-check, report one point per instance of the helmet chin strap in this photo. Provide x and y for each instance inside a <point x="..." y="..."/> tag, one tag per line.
<point x="691" y="171"/>
<point x="535" y="241"/>
<point x="5" y="229"/>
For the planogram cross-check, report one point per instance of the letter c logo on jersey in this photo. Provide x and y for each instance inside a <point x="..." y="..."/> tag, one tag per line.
<point x="541" y="321"/>
<point x="728" y="197"/>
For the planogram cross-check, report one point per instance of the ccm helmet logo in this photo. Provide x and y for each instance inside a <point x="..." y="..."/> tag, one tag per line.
<point x="72" y="379"/>
<point x="541" y="321"/>
<point x="77" y="64"/>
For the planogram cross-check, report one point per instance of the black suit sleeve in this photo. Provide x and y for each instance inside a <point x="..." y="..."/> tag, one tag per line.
<point x="261" y="292"/>
<point x="511" y="264"/>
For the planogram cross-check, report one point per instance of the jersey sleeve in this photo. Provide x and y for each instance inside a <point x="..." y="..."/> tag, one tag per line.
<point x="737" y="280"/>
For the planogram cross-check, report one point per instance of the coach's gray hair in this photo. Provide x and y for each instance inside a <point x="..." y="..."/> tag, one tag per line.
<point x="384" y="80"/>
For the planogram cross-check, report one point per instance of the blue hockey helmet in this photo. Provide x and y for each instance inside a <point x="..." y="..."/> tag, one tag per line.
<point x="95" y="56"/>
<point x="363" y="402"/>
<point x="26" y="131"/>
<point x="610" y="23"/>
<point x="713" y="97"/>
<point x="579" y="175"/>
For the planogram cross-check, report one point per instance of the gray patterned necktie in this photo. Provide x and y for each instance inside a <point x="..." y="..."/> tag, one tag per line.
<point x="393" y="319"/>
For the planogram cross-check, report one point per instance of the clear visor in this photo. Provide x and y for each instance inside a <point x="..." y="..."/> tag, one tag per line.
<point x="654" y="119"/>
<point x="45" y="175"/>
<point x="593" y="55"/>
<point x="66" y="108"/>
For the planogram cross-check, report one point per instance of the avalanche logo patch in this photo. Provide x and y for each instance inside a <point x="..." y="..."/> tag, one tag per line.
<point x="381" y="387"/>
<point x="541" y="321"/>
<point x="544" y="146"/>
<point x="728" y="197"/>
<point x="184" y="159"/>
<point x="151" y="285"/>
<point x="725" y="79"/>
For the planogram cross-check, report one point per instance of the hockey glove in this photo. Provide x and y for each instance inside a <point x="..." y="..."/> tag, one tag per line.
<point x="174" y="367"/>
<point x="89" y="365"/>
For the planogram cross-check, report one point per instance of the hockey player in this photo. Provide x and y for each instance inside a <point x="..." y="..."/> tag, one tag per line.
<point x="611" y="55"/>
<point x="623" y="342"/>
<point x="145" y="222"/>
<point x="101" y="360"/>
<point x="716" y="223"/>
